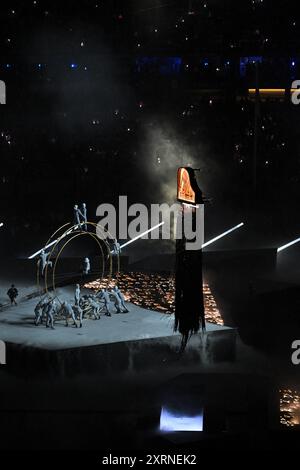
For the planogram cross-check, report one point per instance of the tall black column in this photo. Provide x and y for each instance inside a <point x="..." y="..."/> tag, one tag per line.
<point x="189" y="301"/>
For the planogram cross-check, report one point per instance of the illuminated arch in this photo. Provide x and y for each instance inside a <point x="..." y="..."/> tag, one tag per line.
<point x="75" y="232"/>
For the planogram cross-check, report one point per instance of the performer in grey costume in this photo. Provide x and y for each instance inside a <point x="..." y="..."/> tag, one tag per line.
<point x="86" y="266"/>
<point x="95" y="306"/>
<point x="43" y="261"/>
<point x="50" y="312"/>
<point x="78" y="313"/>
<point x="122" y="299"/>
<point x="104" y="295"/>
<point x="83" y="213"/>
<point x="117" y="301"/>
<point x="77" y="216"/>
<point x="77" y="294"/>
<point x="38" y="311"/>
<point x="116" y="247"/>
<point x="69" y="312"/>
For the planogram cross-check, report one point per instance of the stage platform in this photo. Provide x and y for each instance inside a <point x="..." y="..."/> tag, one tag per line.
<point x="111" y="342"/>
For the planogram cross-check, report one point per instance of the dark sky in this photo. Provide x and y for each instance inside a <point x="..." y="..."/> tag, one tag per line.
<point x="82" y="123"/>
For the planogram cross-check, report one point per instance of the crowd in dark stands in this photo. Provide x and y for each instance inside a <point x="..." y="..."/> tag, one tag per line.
<point x="83" y="92"/>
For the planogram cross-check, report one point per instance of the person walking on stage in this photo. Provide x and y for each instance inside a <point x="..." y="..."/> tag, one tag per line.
<point x="77" y="295"/>
<point x="13" y="294"/>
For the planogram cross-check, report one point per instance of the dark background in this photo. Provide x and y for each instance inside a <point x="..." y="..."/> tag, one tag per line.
<point x="108" y="98"/>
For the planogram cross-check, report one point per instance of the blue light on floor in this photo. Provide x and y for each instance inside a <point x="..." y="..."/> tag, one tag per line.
<point x="170" y="422"/>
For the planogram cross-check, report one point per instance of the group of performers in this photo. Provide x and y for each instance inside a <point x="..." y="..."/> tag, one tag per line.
<point x="88" y="305"/>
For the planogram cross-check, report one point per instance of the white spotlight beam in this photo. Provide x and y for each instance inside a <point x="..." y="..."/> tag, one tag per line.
<point x="142" y="234"/>
<point x="222" y="235"/>
<point x="44" y="248"/>
<point x="283" y="247"/>
<point x="52" y="243"/>
<point x="69" y="231"/>
<point x="1" y="224"/>
<point x="151" y="230"/>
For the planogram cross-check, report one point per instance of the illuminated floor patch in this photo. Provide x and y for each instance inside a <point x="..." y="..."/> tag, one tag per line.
<point x="289" y="407"/>
<point x="156" y="292"/>
<point x="170" y="422"/>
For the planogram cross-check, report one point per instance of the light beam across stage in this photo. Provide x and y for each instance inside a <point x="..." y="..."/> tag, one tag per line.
<point x="52" y="243"/>
<point x="122" y="246"/>
<point x="222" y="235"/>
<point x="44" y="248"/>
<point x="141" y="235"/>
<point x="151" y="230"/>
<point x="283" y="247"/>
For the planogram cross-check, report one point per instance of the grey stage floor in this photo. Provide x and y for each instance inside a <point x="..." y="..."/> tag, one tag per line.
<point x="17" y="326"/>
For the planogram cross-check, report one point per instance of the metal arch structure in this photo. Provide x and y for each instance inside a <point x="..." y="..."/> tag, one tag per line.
<point x="53" y="288"/>
<point x="50" y="239"/>
<point x="75" y="233"/>
<point x="71" y="233"/>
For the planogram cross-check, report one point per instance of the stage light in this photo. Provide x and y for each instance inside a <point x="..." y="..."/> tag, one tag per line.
<point x="69" y="231"/>
<point x="170" y="422"/>
<point x="193" y="206"/>
<point x="1" y="224"/>
<point x="52" y="243"/>
<point x="141" y="235"/>
<point x="222" y="235"/>
<point x="283" y="247"/>
<point x="271" y="91"/>
<point x="44" y="248"/>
